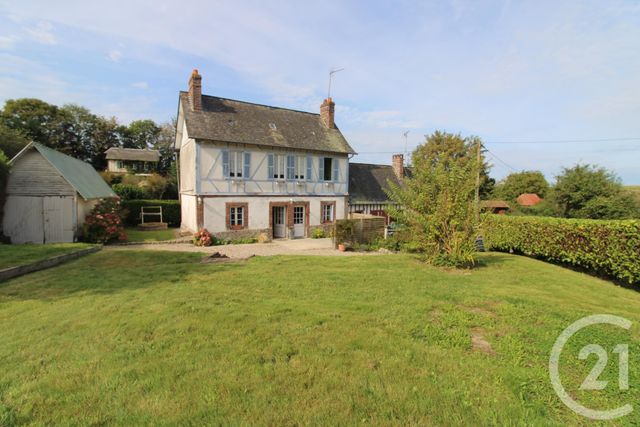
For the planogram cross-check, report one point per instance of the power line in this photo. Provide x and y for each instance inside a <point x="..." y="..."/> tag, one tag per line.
<point x="499" y="159"/>
<point x="563" y="141"/>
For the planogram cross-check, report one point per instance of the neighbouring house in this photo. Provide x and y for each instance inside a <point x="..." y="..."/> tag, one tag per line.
<point x="48" y="196"/>
<point x="528" y="199"/>
<point x="368" y="184"/>
<point x="499" y="207"/>
<point x="132" y="160"/>
<point x="247" y="168"/>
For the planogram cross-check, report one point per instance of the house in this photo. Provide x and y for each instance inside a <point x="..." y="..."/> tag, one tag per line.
<point x="528" y="199"/>
<point x="124" y="160"/>
<point x="247" y="168"/>
<point x="499" y="207"/>
<point x="368" y="186"/>
<point x="48" y="195"/>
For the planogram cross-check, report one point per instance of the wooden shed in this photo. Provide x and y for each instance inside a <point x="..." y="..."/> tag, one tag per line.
<point x="48" y="195"/>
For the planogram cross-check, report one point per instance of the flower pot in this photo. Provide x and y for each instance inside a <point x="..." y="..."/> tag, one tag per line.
<point x="342" y="248"/>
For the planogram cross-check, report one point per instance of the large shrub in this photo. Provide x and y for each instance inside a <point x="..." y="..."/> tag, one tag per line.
<point x="436" y="203"/>
<point x="170" y="211"/>
<point x="130" y="192"/>
<point x="104" y="223"/>
<point x="610" y="248"/>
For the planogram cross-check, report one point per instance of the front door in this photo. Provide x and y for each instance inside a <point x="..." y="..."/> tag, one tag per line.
<point x="279" y="223"/>
<point x="298" y="221"/>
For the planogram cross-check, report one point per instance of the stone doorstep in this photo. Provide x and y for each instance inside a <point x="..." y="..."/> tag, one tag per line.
<point x="11" y="272"/>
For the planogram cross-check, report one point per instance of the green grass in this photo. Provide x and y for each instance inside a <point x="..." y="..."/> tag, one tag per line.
<point x="15" y="255"/>
<point x="135" y="235"/>
<point x="125" y="337"/>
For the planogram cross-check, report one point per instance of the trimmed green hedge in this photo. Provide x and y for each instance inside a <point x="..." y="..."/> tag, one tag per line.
<point x="170" y="211"/>
<point x="609" y="248"/>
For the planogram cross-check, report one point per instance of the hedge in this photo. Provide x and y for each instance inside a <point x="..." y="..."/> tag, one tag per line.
<point x="610" y="248"/>
<point x="170" y="211"/>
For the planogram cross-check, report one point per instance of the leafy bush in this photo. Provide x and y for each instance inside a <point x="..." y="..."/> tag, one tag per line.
<point x="344" y="231"/>
<point x="111" y="177"/>
<point x="130" y="192"/>
<point x="170" y="211"/>
<point x="154" y="185"/>
<point x="610" y="248"/>
<point x="202" y="237"/>
<point x="318" y="233"/>
<point x="104" y="223"/>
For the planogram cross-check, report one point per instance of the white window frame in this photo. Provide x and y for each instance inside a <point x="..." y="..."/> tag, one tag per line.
<point x="300" y="172"/>
<point x="236" y="164"/>
<point x="236" y="212"/>
<point x="328" y="208"/>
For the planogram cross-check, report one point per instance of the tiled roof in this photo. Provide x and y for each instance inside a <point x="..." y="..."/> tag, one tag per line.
<point x="227" y="120"/>
<point x="528" y="199"/>
<point x="367" y="182"/>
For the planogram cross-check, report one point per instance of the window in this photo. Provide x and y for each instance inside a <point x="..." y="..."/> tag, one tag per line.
<point x="327" y="213"/>
<point x="236" y="164"/>
<point x="328" y="169"/>
<point x="301" y="167"/>
<point x="276" y="168"/>
<point x="237" y="216"/>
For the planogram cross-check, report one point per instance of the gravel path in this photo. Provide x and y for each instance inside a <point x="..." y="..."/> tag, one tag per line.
<point x="322" y="247"/>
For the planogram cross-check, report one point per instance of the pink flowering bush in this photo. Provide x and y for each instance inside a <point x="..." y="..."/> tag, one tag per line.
<point x="104" y="223"/>
<point x="202" y="237"/>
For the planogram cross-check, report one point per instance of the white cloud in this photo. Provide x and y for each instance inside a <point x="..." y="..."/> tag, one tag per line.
<point x="114" y="55"/>
<point x="42" y="33"/>
<point x="140" y="85"/>
<point x="7" y="42"/>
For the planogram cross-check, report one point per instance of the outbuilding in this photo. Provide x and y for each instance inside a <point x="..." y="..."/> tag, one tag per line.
<point x="48" y="196"/>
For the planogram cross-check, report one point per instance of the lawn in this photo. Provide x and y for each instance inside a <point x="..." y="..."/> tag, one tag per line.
<point x="126" y="337"/>
<point x="135" y="235"/>
<point x="15" y="255"/>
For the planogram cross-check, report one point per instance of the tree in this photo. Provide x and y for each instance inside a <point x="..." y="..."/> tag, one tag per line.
<point x="11" y="141"/>
<point x="36" y="120"/>
<point x="165" y="145"/>
<point x="518" y="183"/>
<point x="436" y="203"/>
<point x="142" y="134"/>
<point x="4" y="173"/>
<point x="589" y="191"/>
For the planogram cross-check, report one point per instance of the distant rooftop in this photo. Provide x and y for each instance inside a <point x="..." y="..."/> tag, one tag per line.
<point x="136" y="154"/>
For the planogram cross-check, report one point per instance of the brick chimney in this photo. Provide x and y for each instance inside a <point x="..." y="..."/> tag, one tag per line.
<point x="195" y="91"/>
<point x="327" y="112"/>
<point x="397" y="162"/>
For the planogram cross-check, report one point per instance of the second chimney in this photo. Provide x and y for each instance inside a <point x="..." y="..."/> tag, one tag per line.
<point x="397" y="162"/>
<point x="195" y="91"/>
<point x="327" y="113"/>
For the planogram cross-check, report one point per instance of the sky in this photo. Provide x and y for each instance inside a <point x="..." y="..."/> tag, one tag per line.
<point x="545" y="84"/>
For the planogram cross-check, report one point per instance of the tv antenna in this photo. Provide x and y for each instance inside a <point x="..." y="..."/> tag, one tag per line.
<point x="331" y="73"/>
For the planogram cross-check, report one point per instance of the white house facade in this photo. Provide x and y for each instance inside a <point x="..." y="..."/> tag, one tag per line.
<point x="246" y="168"/>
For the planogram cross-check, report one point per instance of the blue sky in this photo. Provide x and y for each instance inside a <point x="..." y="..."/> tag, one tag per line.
<point x="520" y="75"/>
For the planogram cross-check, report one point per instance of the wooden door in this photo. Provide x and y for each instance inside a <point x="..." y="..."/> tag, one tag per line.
<point x="298" y="221"/>
<point x="279" y="214"/>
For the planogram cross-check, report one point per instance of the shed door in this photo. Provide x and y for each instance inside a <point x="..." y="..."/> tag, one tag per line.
<point x="32" y="219"/>
<point x="58" y="217"/>
<point x="22" y="221"/>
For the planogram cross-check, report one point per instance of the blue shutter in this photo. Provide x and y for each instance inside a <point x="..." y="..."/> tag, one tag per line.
<point x="291" y="166"/>
<point x="247" y="165"/>
<point x="270" y="166"/>
<point x="336" y="170"/>
<point x="321" y="169"/>
<point x="309" y="167"/>
<point x="225" y="164"/>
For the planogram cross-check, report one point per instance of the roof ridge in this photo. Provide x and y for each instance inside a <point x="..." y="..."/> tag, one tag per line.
<point x="256" y="104"/>
<point x="370" y="164"/>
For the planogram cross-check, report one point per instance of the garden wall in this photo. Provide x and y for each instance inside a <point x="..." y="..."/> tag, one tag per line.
<point x="610" y="248"/>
